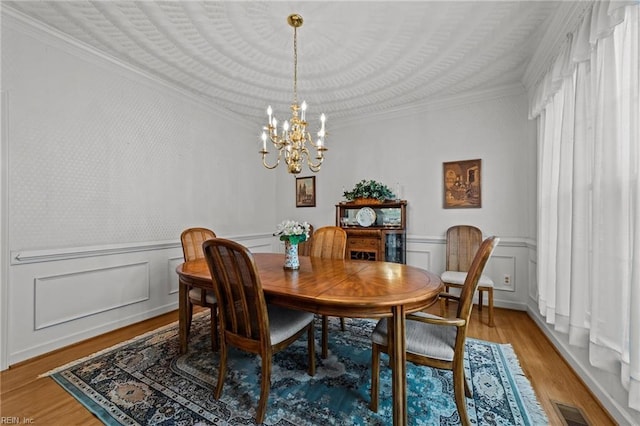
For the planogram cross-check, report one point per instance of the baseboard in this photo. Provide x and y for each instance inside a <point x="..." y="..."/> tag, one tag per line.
<point x="70" y="339"/>
<point x="505" y="304"/>
<point x="613" y="407"/>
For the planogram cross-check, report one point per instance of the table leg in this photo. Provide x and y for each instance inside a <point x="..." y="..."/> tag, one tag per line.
<point x="182" y="316"/>
<point x="398" y="360"/>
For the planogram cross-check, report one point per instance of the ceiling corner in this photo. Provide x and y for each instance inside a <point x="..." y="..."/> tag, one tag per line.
<point x="563" y="22"/>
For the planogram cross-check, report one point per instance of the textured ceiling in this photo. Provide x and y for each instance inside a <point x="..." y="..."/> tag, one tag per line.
<point x="354" y="58"/>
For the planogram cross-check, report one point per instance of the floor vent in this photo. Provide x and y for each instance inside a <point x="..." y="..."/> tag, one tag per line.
<point x="570" y="415"/>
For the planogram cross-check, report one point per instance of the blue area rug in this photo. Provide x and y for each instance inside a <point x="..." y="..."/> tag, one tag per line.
<point x="146" y="382"/>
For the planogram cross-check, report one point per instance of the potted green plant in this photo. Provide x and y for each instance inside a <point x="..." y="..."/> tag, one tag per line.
<point x="369" y="191"/>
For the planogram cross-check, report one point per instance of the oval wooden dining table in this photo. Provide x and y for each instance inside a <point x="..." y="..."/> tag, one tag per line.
<point x="346" y="288"/>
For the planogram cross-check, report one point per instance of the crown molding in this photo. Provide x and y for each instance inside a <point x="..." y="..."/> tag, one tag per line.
<point x="435" y="105"/>
<point x="564" y="21"/>
<point x="17" y="20"/>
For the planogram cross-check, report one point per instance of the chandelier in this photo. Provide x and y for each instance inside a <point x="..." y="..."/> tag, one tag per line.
<point x="294" y="141"/>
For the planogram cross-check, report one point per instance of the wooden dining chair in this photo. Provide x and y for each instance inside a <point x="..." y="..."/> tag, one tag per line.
<point x="304" y="248"/>
<point x="329" y="242"/>
<point x="462" y="243"/>
<point x="246" y="321"/>
<point x="435" y="341"/>
<point x="192" y="239"/>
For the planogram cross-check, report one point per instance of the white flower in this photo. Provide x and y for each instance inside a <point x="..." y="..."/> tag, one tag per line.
<point x="291" y="227"/>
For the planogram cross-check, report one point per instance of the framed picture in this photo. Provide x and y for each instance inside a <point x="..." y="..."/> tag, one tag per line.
<point x="306" y="191"/>
<point x="462" y="184"/>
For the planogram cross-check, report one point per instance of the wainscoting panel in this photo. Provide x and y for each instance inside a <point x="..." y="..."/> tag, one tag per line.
<point x="172" y="275"/>
<point x="60" y="297"/>
<point x="91" y="292"/>
<point x="533" y="279"/>
<point x="510" y="258"/>
<point x="502" y="270"/>
<point x="420" y="258"/>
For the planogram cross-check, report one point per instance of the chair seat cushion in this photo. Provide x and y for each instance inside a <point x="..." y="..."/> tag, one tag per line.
<point x="457" y="277"/>
<point x="434" y="341"/>
<point x="284" y="323"/>
<point x="195" y="295"/>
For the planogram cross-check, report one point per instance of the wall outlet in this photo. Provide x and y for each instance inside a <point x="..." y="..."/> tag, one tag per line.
<point x="507" y="279"/>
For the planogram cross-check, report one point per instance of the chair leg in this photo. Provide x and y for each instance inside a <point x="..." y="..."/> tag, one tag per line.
<point x="311" y="347"/>
<point x="467" y="389"/>
<point x="265" y="384"/>
<point x="459" y="385"/>
<point x="342" y="323"/>
<point x="325" y="336"/>
<point x="446" y="290"/>
<point x="375" y="376"/>
<point x="443" y="307"/>
<point x="189" y="315"/>
<point x="214" y="328"/>
<point x="480" y="300"/>
<point x="490" y="291"/>
<point x="222" y="369"/>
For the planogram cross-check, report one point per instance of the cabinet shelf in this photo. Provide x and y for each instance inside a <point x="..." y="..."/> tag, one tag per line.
<point x="384" y="239"/>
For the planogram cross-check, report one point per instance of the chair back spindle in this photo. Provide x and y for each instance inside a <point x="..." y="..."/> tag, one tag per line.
<point x="238" y="289"/>
<point x="192" y="240"/>
<point x="463" y="242"/>
<point x="329" y="242"/>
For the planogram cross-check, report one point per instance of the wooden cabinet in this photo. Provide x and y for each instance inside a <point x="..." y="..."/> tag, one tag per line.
<point x="375" y="231"/>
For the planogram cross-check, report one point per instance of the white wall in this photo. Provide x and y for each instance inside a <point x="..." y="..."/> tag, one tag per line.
<point x="106" y="166"/>
<point x="408" y="147"/>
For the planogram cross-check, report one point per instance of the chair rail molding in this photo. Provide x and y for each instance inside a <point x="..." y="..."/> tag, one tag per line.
<point x="20" y="257"/>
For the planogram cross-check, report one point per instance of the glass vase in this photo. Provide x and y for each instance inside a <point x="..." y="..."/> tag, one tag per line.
<point x="291" y="260"/>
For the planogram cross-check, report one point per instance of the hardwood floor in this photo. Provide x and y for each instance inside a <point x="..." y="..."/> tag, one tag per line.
<point x="551" y="377"/>
<point x="41" y="401"/>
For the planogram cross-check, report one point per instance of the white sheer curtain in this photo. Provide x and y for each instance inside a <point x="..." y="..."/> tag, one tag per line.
<point x="589" y="191"/>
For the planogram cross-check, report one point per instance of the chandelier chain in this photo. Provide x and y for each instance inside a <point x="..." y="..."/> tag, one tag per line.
<point x="295" y="65"/>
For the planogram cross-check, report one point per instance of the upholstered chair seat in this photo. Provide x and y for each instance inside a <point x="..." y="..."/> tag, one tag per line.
<point x="195" y="296"/>
<point x="456" y="277"/>
<point x="433" y="341"/>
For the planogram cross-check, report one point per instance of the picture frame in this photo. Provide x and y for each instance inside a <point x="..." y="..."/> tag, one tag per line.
<point x="306" y="191"/>
<point x="462" y="184"/>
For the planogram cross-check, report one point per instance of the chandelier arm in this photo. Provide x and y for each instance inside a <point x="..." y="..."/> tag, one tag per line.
<point x="277" y="142"/>
<point x="314" y="167"/>
<point x="264" y="160"/>
<point x="318" y="147"/>
<point x="311" y="142"/>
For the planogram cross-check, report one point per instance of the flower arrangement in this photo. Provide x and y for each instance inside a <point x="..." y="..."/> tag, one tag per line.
<point x="369" y="189"/>
<point x="292" y="231"/>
